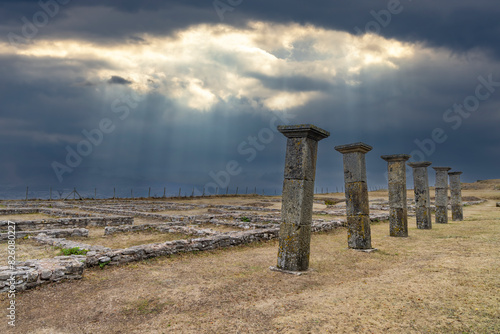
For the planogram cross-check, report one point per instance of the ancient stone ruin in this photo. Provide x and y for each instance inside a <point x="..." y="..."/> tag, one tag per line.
<point x="71" y="225"/>
<point x="298" y="192"/>
<point x="398" y="216"/>
<point x="457" y="211"/>
<point x="422" y="195"/>
<point x="356" y="194"/>
<point x="441" y="194"/>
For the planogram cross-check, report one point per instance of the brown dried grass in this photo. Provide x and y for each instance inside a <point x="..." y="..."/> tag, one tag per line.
<point x="440" y="281"/>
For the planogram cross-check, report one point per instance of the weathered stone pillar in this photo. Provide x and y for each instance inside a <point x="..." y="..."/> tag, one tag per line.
<point x="398" y="216"/>
<point x="298" y="192"/>
<point x="422" y="195"/>
<point x="356" y="194"/>
<point x="441" y="194"/>
<point x="457" y="211"/>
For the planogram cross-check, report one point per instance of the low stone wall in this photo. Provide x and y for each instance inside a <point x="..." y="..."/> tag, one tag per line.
<point x="32" y="273"/>
<point x="137" y="253"/>
<point x="48" y="211"/>
<point x="18" y="211"/>
<point x="163" y="228"/>
<point x="225" y="208"/>
<point x="65" y="213"/>
<point x="63" y="243"/>
<point x="162" y="217"/>
<point x="65" y="223"/>
<point x="29" y="274"/>
<point x="327" y="226"/>
<point x="56" y="233"/>
<point x="473" y="203"/>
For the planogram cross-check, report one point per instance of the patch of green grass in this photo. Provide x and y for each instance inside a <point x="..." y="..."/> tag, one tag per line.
<point x="103" y="264"/>
<point x="245" y="219"/>
<point x="73" y="251"/>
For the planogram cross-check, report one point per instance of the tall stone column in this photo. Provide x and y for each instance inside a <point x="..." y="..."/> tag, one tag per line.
<point x="398" y="217"/>
<point x="457" y="211"/>
<point x="422" y="195"/>
<point x="298" y="192"/>
<point x="441" y="194"/>
<point x="356" y="194"/>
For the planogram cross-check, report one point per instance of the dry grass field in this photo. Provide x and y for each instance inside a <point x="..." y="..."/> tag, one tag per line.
<point x="444" y="280"/>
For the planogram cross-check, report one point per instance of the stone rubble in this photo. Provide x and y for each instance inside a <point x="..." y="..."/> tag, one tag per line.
<point x="55" y="233"/>
<point x="63" y="243"/>
<point x="64" y="223"/>
<point x="32" y="273"/>
<point x="163" y="228"/>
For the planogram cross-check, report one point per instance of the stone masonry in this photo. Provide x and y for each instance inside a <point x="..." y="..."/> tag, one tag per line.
<point x="398" y="217"/>
<point x="441" y="194"/>
<point x="422" y="195"/>
<point x="457" y="211"/>
<point x="356" y="193"/>
<point x="298" y="192"/>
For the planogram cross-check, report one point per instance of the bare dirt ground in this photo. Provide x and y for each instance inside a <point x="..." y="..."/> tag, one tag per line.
<point x="444" y="280"/>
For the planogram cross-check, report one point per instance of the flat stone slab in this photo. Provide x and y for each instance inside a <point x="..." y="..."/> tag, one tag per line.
<point x="355" y="147"/>
<point x="369" y="250"/>
<point x="296" y="273"/>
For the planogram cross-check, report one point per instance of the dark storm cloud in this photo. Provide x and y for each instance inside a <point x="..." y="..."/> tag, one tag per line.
<point x="48" y="102"/>
<point x="297" y="83"/>
<point x="461" y="25"/>
<point x="117" y="80"/>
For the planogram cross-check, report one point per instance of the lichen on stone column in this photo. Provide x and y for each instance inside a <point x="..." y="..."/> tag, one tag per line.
<point x="298" y="193"/>
<point x="441" y="194"/>
<point x="356" y="193"/>
<point x="422" y="195"/>
<point x="457" y="212"/>
<point x="398" y="215"/>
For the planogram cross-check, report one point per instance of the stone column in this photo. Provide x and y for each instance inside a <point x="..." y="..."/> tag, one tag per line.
<point x="398" y="217"/>
<point x="356" y="194"/>
<point x="441" y="194"/>
<point x="457" y="212"/>
<point x="422" y="195"/>
<point x="297" y="198"/>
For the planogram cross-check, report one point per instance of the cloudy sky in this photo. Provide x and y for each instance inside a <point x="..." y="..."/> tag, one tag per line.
<point x="132" y="94"/>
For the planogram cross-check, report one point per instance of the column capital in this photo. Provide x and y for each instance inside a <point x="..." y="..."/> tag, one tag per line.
<point x="352" y="148"/>
<point x="454" y="173"/>
<point x="395" y="157"/>
<point x="303" y="131"/>
<point x="419" y="164"/>
<point x="441" y="169"/>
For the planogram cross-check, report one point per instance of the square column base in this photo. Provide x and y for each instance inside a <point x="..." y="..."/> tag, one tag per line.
<point x="457" y="213"/>
<point x="291" y="272"/>
<point x="424" y="221"/>
<point x="441" y="215"/>
<point x="358" y="232"/>
<point x="398" y="222"/>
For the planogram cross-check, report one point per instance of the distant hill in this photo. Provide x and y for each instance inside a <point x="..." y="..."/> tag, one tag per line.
<point x="482" y="185"/>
